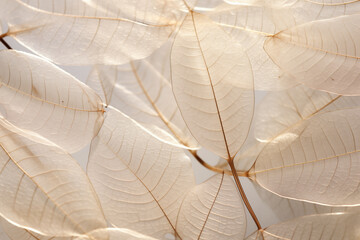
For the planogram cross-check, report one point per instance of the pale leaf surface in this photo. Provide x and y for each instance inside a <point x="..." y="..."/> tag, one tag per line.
<point x="278" y="111"/>
<point x="251" y="24"/>
<point x="140" y="180"/>
<point x="321" y="54"/>
<point x="315" y="161"/>
<point x="310" y="10"/>
<point x="314" y="227"/>
<point x="41" y="97"/>
<point x="139" y="90"/>
<point x="115" y="234"/>
<point x="43" y="187"/>
<point x="73" y="39"/>
<point x="17" y="233"/>
<point x="287" y="209"/>
<point x="213" y="210"/>
<point x="213" y="85"/>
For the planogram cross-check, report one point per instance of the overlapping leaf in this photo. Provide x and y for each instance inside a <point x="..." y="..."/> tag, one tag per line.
<point x="313" y="227"/>
<point x="279" y="111"/>
<point x="43" y="188"/>
<point x="115" y="234"/>
<point x="82" y="36"/>
<point x="321" y="54"/>
<point x="251" y="23"/>
<point x="139" y="90"/>
<point x="287" y="209"/>
<point x="316" y="161"/>
<point x="213" y="85"/>
<point x="212" y="210"/>
<point x="140" y="180"/>
<point x="41" y="97"/>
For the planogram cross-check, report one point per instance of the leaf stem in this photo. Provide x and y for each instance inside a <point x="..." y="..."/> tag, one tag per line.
<point x="5" y="43"/>
<point x="242" y="193"/>
<point x="213" y="168"/>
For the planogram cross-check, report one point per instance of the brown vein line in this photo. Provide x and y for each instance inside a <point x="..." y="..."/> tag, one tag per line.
<point x="245" y="29"/>
<point x="289" y="41"/>
<point x="48" y="102"/>
<point x="302" y="163"/>
<point x="89" y="17"/>
<point x="212" y="87"/>
<point x="143" y="184"/>
<point x="38" y="186"/>
<point x="212" y="205"/>
<point x="273" y="235"/>
<point x="298" y="123"/>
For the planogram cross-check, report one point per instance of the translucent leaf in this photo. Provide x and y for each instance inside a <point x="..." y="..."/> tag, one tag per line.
<point x="139" y="179"/>
<point x="325" y="227"/>
<point x="321" y="54"/>
<point x="213" y="85"/>
<point x="305" y="10"/>
<point x="43" y="188"/>
<point x="251" y="24"/>
<point x="39" y="96"/>
<point x="212" y="210"/>
<point x="115" y="234"/>
<point x="139" y="90"/>
<point x="84" y="37"/>
<point x="15" y="232"/>
<point x="287" y="209"/>
<point x="279" y="111"/>
<point x="315" y="161"/>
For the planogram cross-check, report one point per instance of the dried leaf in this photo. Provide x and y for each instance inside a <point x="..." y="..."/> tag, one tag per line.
<point x="85" y="37"/>
<point x="313" y="227"/>
<point x="279" y="111"/>
<point x="40" y="97"/>
<point x="43" y="188"/>
<point x="320" y="54"/>
<point x="213" y="85"/>
<point x="139" y="90"/>
<point x="213" y="210"/>
<point x="315" y="161"/>
<point x="139" y="179"/>
<point x="287" y="209"/>
<point x="115" y="234"/>
<point x="251" y="24"/>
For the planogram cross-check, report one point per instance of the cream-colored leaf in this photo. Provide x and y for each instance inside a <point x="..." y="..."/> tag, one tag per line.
<point x="310" y="10"/>
<point x="251" y="24"/>
<point x="140" y="180"/>
<point x="287" y="209"/>
<point x="16" y="233"/>
<point x="43" y="188"/>
<point x="139" y="90"/>
<point x="313" y="227"/>
<point x="321" y="54"/>
<point x="212" y="210"/>
<point x="40" y="97"/>
<point x="115" y="234"/>
<point x="84" y="37"/>
<point x="213" y="85"/>
<point x="278" y="111"/>
<point x="315" y="161"/>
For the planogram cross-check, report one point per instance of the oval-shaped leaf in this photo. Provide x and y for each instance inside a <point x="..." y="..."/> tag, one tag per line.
<point x="213" y="85"/>
<point x="43" y="188"/>
<point x="140" y="180"/>
<point x="40" y="97"/>
<point x="115" y="234"/>
<point x="321" y="54"/>
<point x="139" y="90"/>
<point x="315" y="161"/>
<point x="313" y="227"/>
<point x="212" y="210"/>
<point x="81" y="37"/>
